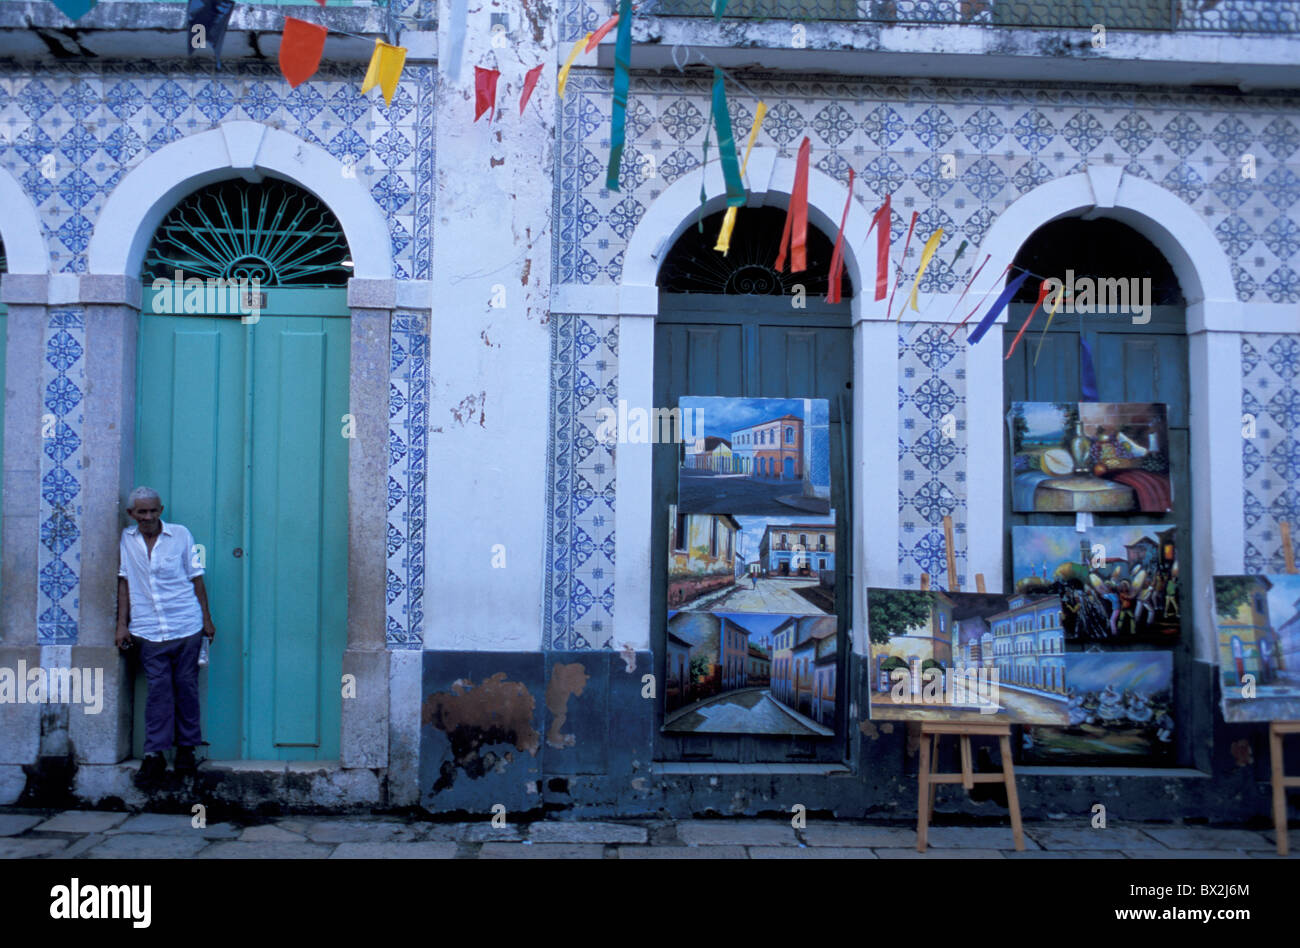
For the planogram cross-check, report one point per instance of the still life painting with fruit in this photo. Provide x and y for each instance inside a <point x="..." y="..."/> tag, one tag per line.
<point x="1089" y="457"/>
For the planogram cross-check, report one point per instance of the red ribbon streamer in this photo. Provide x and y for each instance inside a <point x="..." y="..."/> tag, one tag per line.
<point x="837" y="255"/>
<point x="907" y="243"/>
<point x="530" y="81"/>
<point x="965" y="290"/>
<point x="300" y="50"/>
<point x="1042" y="295"/>
<point x="884" y="219"/>
<point x="600" y="33"/>
<point x="1001" y="276"/>
<point x="485" y="91"/>
<point x="794" y="237"/>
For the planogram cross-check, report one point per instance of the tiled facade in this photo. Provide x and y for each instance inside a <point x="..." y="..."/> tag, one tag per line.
<point x="63" y="391"/>
<point x="1270" y="461"/>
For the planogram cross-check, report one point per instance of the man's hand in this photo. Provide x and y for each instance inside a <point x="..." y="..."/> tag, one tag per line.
<point x="123" y="637"/>
<point x="209" y="629"/>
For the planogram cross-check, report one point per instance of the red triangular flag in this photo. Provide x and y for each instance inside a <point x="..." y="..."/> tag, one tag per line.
<point x="321" y="2"/>
<point x="600" y="33"/>
<point x="530" y="80"/>
<point x="837" y="255"/>
<point x="1043" y="290"/>
<point x="884" y="222"/>
<point x="485" y="91"/>
<point x="301" y="46"/>
<point x="794" y="237"/>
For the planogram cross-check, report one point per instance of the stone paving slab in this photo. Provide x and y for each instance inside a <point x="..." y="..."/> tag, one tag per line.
<point x="1185" y="854"/>
<point x="359" y="831"/>
<point x="242" y="850"/>
<point x="82" y="845"/>
<point x="174" y="824"/>
<point x="147" y="846"/>
<point x="736" y="833"/>
<point x="81" y="821"/>
<point x="586" y="833"/>
<point x="841" y="834"/>
<point x="810" y="852"/>
<point x="1205" y="837"/>
<point x="391" y="850"/>
<point x="974" y="837"/>
<point x="542" y="851"/>
<point x="1076" y="837"/>
<point x="682" y="852"/>
<point x="269" y="833"/>
<point x="1044" y="854"/>
<point x="487" y="833"/>
<point x="12" y="824"/>
<point x="31" y="848"/>
<point x="939" y="854"/>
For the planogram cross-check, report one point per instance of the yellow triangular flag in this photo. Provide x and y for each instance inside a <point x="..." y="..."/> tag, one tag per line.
<point x="563" y="78"/>
<point x="384" y="70"/>
<point x="729" y="221"/>
<point x="927" y="252"/>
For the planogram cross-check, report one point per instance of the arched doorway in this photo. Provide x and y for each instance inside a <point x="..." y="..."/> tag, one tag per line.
<point x="733" y="326"/>
<point x="242" y="425"/>
<point x="1138" y="353"/>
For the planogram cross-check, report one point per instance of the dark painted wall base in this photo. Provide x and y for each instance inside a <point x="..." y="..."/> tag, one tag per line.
<point x="571" y="734"/>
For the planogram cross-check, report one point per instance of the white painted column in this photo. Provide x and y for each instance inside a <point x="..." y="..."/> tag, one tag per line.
<point x="985" y="459"/>
<point x="632" y="499"/>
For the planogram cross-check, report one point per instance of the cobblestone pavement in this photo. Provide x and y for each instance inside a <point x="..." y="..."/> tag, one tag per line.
<point x="86" y="834"/>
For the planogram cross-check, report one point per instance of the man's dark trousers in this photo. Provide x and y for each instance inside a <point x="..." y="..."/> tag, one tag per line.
<point x="172" y="669"/>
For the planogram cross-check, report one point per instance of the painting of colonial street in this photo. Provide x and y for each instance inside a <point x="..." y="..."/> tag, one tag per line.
<point x="1118" y="584"/>
<point x="774" y="565"/>
<point x="1258" y="620"/>
<point x="1089" y="457"/>
<point x="1121" y="713"/>
<point x="972" y="657"/>
<point x="768" y="456"/>
<point x="749" y="673"/>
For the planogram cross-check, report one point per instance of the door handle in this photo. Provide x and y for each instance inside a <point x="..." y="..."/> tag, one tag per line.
<point x="238" y="552"/>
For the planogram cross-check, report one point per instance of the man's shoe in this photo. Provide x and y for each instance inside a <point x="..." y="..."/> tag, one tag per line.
<point x="152" y="770"/>
<point x="186" y="766"/>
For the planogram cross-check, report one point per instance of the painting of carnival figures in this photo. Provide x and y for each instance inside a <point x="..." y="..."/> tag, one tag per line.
<point x="1118" y="584"/>
<point x="759" y="456"/>
<point x="1089" y="457"/>
<point x="1258" y="621"/>
<point x="1121" y="713"/>
<point x="747" y="673"/>
<point x="970" y="657"/>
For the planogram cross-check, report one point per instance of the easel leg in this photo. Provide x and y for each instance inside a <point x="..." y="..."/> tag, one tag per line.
<point x="1279" y="788"/>
<point x="1013" y="799"/>
<point x="923" y="795"/>
<point x="934" y="765"/>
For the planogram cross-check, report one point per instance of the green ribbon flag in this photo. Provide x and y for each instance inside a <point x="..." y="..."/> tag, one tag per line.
<point x="726" y="143"/>
<point x="622" y="61"/>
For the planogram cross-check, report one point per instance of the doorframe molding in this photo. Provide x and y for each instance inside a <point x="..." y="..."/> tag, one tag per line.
<point x="20" y="229"/>
<point x="636" y="302"/>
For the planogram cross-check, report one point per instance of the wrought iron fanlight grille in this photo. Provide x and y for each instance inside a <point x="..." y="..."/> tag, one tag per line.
<point x="748" y="269"/>
<point x="271" y="231"/>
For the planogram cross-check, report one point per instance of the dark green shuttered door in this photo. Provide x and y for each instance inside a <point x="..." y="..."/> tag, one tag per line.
<point x="752" y="347"/>
<point x="241" y="428"/>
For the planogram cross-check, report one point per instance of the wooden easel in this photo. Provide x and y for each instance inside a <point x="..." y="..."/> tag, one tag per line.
<point x="1279" y="729"/>
<point x="926" y="778"/>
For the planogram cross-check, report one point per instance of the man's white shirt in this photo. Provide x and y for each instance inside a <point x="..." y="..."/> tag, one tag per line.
<point x="164" y="605"/>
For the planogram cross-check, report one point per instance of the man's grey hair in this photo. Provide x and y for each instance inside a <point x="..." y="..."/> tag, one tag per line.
<point x="141" y="493"/>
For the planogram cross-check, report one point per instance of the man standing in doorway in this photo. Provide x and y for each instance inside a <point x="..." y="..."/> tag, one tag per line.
<point x="162" y="606"/>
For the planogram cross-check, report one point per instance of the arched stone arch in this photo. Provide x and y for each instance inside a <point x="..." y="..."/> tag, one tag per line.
<point x="20" y="229"/>
<point x="1177" y="230"/>
<point x="1214" y="316"/>
<point x="770" y="177"/>
<point x="141" y="199"/>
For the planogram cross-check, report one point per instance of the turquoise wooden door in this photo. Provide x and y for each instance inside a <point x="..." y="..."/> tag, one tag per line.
<point x="241" y="429"/>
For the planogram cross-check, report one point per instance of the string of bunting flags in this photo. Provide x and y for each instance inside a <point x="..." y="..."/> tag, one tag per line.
<point x="303" y="43"/>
